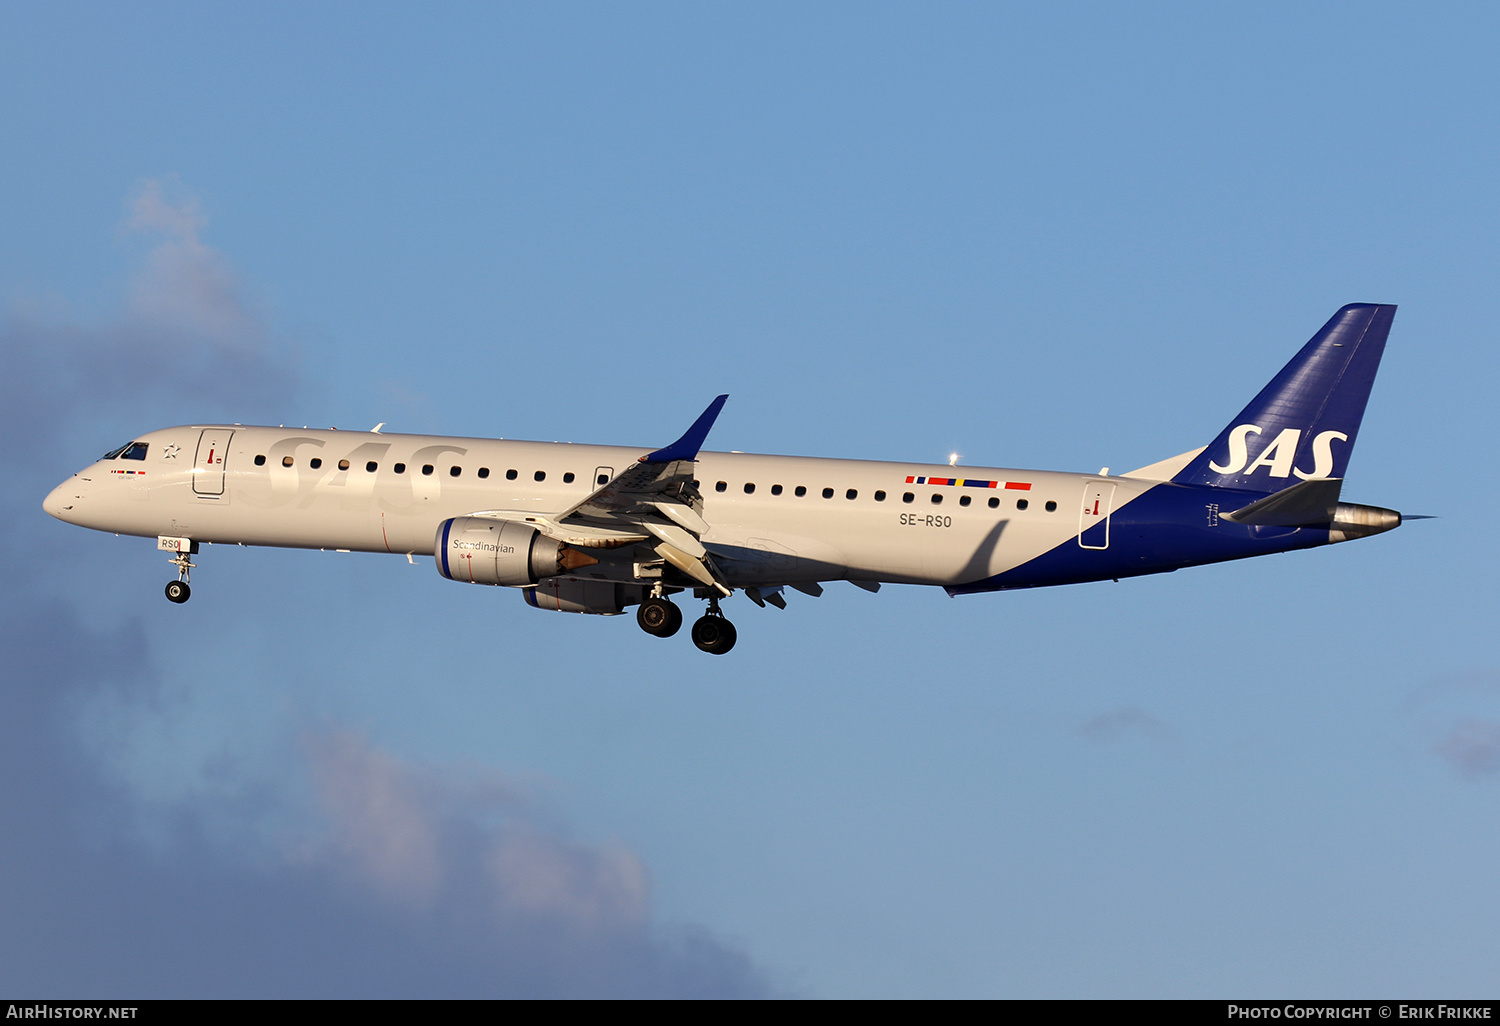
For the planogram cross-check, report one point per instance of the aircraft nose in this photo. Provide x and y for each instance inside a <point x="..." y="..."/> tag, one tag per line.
<point x="61" y="501"/>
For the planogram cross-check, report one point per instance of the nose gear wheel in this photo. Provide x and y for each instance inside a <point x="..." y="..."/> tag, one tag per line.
<point x="178" y="590"/>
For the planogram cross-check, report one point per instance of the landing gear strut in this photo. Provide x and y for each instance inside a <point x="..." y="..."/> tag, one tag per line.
<point x="178" y="590"/>
<point x="713" y="633"/>
<point x="659" y="616"/>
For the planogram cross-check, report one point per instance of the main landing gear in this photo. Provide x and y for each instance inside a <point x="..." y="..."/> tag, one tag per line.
<point x="712" y="633"/>
<point x="659" y="616"/>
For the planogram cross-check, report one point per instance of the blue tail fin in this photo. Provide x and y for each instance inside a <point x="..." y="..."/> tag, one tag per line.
<point x="1303" y="424"/>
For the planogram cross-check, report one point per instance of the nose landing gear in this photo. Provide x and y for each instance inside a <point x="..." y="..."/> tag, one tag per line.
<point x="178" y="590"/>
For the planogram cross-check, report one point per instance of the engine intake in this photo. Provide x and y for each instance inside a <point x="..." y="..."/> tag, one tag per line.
<point x="478" y="550"/>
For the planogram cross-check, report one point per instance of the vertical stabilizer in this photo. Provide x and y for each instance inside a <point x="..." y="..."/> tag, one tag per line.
<point x="1303" y="424"/>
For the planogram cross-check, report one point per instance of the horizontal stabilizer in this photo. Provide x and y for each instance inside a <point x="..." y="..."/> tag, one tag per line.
<point x="1302" y="505"/>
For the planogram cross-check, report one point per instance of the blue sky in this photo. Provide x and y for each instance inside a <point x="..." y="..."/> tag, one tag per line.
<point x="1064" y="236"/>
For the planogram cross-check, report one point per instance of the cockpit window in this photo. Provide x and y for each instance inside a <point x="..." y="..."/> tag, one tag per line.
<point x="128" y="451"/>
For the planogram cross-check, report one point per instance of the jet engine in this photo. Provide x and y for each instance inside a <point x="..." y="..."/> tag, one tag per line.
<point x="570" y="595"/>
<point x="479" y="550"/>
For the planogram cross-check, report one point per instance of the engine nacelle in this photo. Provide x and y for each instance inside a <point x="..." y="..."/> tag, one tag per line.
<point x="570" y="595"/>
<point x="478" y="550"/>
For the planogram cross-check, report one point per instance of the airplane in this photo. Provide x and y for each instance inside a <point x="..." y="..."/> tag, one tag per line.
<point x="597" y="529"/>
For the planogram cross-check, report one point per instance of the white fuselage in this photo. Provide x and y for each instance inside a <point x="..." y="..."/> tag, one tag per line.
<point x="772" y="519"/>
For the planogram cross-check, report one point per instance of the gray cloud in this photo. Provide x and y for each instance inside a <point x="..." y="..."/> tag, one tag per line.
<point x="1124" y="722"/>
<point x="1458" y="714"/>
<point x="184" y="338"/>
<point x="374" y="876"/>
<point x="1473" y="747"/>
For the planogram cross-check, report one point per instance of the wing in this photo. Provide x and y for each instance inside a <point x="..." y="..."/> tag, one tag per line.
<point x="653" y="500"/>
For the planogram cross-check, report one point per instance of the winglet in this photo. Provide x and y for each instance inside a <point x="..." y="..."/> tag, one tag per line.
<point x="686" y="447"/>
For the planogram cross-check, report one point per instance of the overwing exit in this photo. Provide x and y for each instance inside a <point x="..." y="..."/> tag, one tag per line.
<point x="599" y="529"/>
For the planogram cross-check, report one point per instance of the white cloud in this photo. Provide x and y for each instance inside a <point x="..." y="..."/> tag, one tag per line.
<point x="412" y="835"/>
<point x="186" y="286"/>
<point x="377" y="817"/>
<point x="590" y="889"/>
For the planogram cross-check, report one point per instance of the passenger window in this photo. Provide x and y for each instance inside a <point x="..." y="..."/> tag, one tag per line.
<point x="749" y="488"/>
<point x="343" y="464"/>
<point x="315" y="463"/>
<point x="134" y="451"/>
<point x="1051" y="506"/>
<point x="371" y="467"/>
<point x="827" y="493"/>
<point x="937" y="498"/>
<point x="540" y="475"/>
<point x="801" y="491"/>
<point x="510" y="475"/>
<point x="721" y="486"/>
<point x="399" y="468"/>
<point x="776" y="489"/>
<point x="484" y="472"/>
<point x="455" y="471"/>
<point x="964" y="500"/>
<point x="287" y="461"/>
<point x="427" y="469"/>
<point x="995" y="503"/>
<point x="880" y="496"/>
<point x="852" y="493"/>
<point x="907" y="497"/>
<point x="604" y="479"/>
<point x="568" y="477"/>
<point x="1020" y="503"/>
<point x="260" y="461"/>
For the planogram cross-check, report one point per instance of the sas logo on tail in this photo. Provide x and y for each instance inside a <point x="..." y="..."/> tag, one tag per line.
<point x="1278" y="456"/>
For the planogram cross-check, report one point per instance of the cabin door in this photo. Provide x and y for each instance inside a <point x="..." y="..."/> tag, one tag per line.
<point x="1093" y="516"/>
<point x="208" y="465"/>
